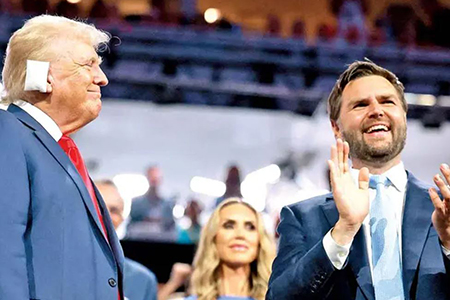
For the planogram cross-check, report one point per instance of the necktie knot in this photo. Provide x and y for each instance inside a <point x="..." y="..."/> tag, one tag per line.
<point x="66" y="142"/>
<point x="377" y="181"/>
<point x="71" y="149"/>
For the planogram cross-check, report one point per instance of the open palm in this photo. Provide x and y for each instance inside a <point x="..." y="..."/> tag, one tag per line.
<point x="441" y="214"/>
<point x="352" y="201"/>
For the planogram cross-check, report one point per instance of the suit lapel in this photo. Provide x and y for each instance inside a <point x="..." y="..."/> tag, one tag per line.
<point x="60" y="156"/>
<point x="357" y="260"/>
<point x="112" y="237"/>
<point x="415" y="227"/>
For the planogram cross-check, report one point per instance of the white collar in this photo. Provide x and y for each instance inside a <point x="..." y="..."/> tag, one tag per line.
<point x="41" y="117"/>
<point x="397" y="175"/>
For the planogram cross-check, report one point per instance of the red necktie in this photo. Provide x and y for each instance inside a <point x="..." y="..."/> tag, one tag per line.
<point x="68" y="145"/>
<point x="71" y="149"/>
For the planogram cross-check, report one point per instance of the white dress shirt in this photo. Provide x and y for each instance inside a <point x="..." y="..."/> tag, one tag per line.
<point x="396" y="192"/>
<point x="42" y="118"/>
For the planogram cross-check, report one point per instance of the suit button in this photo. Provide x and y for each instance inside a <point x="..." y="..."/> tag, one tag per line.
<point x="112" y="282"/>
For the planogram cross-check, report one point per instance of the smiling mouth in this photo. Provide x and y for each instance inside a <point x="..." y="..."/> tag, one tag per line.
<point x="239" y="248"/>
<point x="377" y="130"/>
<point x="96" y="93"/>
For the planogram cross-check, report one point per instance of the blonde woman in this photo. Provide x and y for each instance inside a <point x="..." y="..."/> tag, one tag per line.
<point x="234" y="257"/>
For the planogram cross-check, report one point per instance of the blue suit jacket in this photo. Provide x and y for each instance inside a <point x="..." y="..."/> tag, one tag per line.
<point x="139" y="282"/>
<point x="52" y="246"/>
<point x="302" y="269"/>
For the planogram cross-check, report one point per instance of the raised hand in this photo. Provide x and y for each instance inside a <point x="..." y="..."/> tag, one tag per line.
<point x="351" y="201"/>
<point x="441" y="214"/>
<point x="180" y="273"/>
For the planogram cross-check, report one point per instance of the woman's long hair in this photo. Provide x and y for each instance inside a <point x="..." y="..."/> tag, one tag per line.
<point x="205" y="280"/>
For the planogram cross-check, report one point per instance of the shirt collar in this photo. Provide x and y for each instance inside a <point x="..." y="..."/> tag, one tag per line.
<point x="41" y="117"/>
<point x="396" y="175"/>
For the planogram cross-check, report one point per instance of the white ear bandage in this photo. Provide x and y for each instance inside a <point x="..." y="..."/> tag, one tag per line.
<point x="36" y="77"/>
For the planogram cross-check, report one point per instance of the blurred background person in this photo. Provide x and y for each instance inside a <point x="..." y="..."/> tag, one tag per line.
<point x="235" y="255"/>
<point x="139" y="282"/>
<point x="189" y="228"/>
<point x="151" y="207"/>
<point x="232" y="183"/>
<point x="434" y="29"/>
<point x="351" y="18"/>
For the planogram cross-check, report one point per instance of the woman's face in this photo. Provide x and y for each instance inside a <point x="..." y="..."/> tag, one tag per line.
<point x="237" y="239"/>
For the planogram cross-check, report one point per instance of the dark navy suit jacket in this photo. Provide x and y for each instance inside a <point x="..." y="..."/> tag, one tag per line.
<point x="302" y="269"/>
<point x="52" y="246"/>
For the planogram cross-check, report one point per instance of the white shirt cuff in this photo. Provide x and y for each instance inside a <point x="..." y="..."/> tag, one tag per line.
<point x="446" y="251"/>
<point x="336" y="253"/>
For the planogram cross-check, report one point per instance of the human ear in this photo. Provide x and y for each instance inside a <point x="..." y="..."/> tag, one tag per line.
<point x="336" y="129"/>
<point x="50" y="81"/>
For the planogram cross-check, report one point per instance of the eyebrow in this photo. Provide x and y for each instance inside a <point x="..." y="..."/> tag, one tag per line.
<point x="382" y="96"/>
<point x="234" y="221"/>
<point x="84" y="60"/>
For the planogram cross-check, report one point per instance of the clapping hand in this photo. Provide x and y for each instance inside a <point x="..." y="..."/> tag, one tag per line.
<point x="351" y="201"/>
<point x="441" y="214"/>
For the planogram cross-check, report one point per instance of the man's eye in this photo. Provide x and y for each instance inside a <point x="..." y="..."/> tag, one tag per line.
<point x="359" y="104"/>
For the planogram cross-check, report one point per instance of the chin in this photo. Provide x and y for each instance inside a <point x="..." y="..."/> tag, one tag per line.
<point x="95" y="107"/>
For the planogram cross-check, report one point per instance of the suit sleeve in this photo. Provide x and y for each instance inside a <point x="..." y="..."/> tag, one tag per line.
<point x="301" y="269"/>
<point x="14" y="207"/>
<point x="152" y="287"/>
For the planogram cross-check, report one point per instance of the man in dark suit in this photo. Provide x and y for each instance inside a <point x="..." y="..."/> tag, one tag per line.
<point x="139" y="282"/>
<point x="388" y="241"/>
<point x="57" y="240"/>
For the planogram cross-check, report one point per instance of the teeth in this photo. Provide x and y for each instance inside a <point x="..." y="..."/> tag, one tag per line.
<point x="239" y="248"/>
<point x="377" y="127"/>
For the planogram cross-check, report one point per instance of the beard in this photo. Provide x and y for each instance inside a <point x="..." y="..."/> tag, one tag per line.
<point x="376" y="154"/>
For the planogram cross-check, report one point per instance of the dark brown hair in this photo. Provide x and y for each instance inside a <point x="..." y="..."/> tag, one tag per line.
<point x="356" y="70"/>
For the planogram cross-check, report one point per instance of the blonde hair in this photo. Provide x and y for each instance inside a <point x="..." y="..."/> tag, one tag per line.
<point x="36" y="40"/>
<point x="205" y="279"/>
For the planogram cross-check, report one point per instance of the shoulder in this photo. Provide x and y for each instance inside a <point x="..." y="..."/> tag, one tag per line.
<point x="8" y="119"/>
<point x="135" y="269"/>
<point x="140" y="199"/>
<point x="413" y="181"/>
<point x="13" y="132"/>
<point x="308" y="205"/>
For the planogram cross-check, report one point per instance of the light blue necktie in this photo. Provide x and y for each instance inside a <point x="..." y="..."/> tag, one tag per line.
<point x="387" y="269"/>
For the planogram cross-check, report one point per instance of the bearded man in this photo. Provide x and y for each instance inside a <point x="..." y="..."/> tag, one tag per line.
<point x="381" y="234"/>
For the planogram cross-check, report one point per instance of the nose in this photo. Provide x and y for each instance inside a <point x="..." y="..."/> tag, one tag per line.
<point x="239" y="233"/>
<point x="100" y="77"/>
<point x="375" y="109"/>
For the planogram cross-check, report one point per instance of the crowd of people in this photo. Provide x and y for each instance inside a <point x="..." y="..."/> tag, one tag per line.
<point x="403" y="24"/>
<point x="380" y="234"/>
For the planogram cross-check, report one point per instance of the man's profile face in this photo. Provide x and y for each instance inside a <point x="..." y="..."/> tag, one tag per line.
<point x="372" y="120"/>
<point x="77" y="78"/>
<point x="113" y="201"/>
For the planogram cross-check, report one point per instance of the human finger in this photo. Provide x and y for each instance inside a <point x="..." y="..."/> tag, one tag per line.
<point x="333" y="155"/>
<point x="445" y="170"/>
<point x="436" y="200"/>
<point x="332" y="168"/>
<point x="340" y="152"/>
<point x="346" y="152"/>
<point x="363" y="178"/>
<point x="443" y="187"/>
